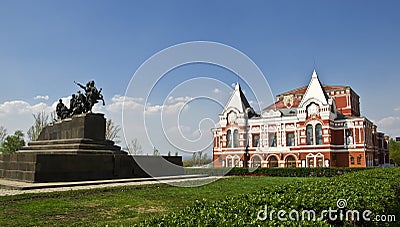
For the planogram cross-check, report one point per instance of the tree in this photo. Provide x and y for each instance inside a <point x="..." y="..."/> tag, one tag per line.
<point x="198" y="159"/>
<point x="194" y="159"/>
<point x="112" y="131"/>
<point x="134" y="147"/>
<point x="41" y="121"/>
<point x="394" y="151"/>
<point x="169" y="153"/>
<point x="155" y="151"/>
<point x="3" y="134"/>
<point x="12" y="143"/>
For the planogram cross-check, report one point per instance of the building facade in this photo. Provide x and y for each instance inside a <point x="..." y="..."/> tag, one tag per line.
<point x="312" y="126"/>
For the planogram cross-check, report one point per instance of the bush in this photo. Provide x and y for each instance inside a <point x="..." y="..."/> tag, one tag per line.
<point x="295" y="172"/>
<point x="273" y="172"/>
<point x="376" y="189"/>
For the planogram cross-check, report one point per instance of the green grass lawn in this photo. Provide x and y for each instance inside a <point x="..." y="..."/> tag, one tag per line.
<point x="121" y="205"/>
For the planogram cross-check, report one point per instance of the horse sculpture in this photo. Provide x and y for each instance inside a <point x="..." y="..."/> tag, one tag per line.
<point x="80" y="103"/>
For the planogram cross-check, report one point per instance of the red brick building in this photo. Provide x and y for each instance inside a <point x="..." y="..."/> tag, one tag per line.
<point x="312" y="126"/>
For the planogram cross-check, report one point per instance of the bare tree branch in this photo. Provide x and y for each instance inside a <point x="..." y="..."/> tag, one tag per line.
<point x="112" y="131"/>
<point x="3" y="134"/>
<point x="134" y="147"/>
<point x="41" y="121"/>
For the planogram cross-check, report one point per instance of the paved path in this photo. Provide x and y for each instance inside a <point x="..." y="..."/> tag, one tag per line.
<point x="14" y="187"/>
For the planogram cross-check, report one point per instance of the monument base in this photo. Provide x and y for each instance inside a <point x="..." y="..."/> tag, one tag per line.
<point x="75" y="149"/>
<point x="81" y="166"/>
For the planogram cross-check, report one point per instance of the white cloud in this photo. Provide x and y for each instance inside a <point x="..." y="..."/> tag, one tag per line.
<point x="389" y="125"/>
<point x="129" y="103"/>
<point x="172" y="99"/>
<point x="45" y="97"/>
<point x="18" y="107"/>
<point x="17" y="114"/>
<point x="397" y="109"/>
<point x="172" y="105"/>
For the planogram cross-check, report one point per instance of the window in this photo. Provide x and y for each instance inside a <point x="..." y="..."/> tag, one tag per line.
<point x="290" y="139"/>
<point x="318" y="134"/>
<point x="351" y="159"/>
<point x="236" y="162"/>
<point x="229" y="138"/>
<point x="256" y="140"/>
<point x="320" y="162"/>
<point x="272" y="140"/>
<point x="229" y="161"/>
<point x="359" y="159"/>
<point x="349" y="137"/>
<point x="309" y="135"/>
<point x="272" y="162"/>
<point x="311" y="162"/>
<point x="290" y="161"/>
<point x="236" y="138"/>
<point x="256" y="162"/>
<point x="334" y="156"/>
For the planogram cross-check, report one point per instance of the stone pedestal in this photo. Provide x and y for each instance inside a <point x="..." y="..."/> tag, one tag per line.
<point x="75" y="149"/>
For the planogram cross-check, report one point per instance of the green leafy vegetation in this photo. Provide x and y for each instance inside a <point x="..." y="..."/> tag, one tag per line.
<point x="12" y="143"/>
<point x="377" y="190"/>
<point x="296" y="172"/>
<point x="394" y="151"/>
<point x="198" y="159"/>
<point x="276" y="172"/>
<point x="122" y="205"/>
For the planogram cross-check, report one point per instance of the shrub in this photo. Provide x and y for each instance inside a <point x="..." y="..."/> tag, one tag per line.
<point x="376" y="189"/>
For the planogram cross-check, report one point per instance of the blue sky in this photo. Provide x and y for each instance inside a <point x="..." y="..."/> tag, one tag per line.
<point x="46" y="45"/>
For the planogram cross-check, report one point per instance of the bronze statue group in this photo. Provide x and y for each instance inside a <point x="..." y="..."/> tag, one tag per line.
<point x="80" y="103"/>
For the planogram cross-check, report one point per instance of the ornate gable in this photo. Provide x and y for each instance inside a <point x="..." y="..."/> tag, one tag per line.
<point x="237" y="101"/>
<point x="315" y="91"/>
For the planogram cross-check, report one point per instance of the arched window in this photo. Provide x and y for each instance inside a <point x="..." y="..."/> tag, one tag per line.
<point x="351" y="159"/>
<point x="272" y="162"/>
<point x="290" y="161"/>
<point x="236" y="138"/>
<point x="256" y="161"/>
<point x="318" y="134"/>
<point x="310" y="135"/>
<point x="320" y="162"/>
<point x="236" y="162"/>
<point x="229" y="161"/>
<point x="229" y="138"/>
<point x="311" y="162"/>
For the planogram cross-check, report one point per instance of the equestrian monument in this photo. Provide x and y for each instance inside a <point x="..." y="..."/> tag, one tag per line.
<point x="74" y="148"/>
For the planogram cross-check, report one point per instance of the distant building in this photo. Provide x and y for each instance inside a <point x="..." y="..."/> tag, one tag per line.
<point x="312" y="126"/>
<point x="398" y="139"/>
